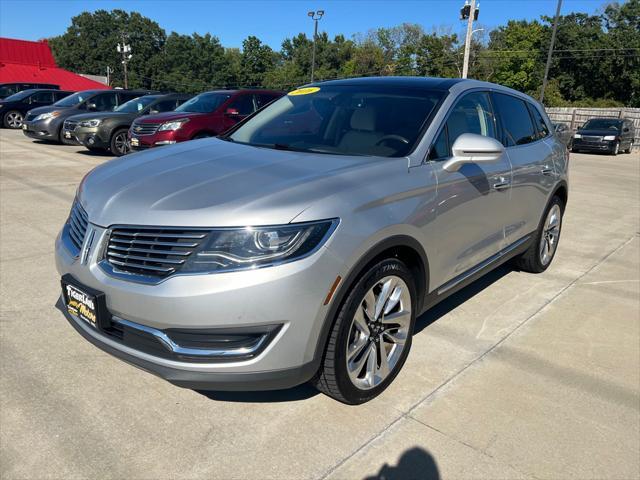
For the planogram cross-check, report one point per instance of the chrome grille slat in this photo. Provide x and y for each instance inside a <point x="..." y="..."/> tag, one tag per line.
<point x="150" y="242"/>
<point x="77" y="224"/>
<point x="144" y="128"/>
<point x="151" y="251"/>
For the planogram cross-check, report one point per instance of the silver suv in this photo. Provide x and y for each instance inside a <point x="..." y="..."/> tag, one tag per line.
<point x="302" y="245"/>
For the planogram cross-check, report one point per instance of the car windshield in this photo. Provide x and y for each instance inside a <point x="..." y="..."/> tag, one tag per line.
<point x="204" y="103"/>
<point x="72" y="100"/>
<point x="343" y="119"/>
<point x="602" y="124"/>
<point x="18" y="96"/>
<point x="136" y="105"/>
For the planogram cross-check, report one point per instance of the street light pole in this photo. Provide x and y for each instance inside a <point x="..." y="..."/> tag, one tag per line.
<point x="470" y="13"/>
<point x="550" y="54"/>
<point x="315" y="16"/>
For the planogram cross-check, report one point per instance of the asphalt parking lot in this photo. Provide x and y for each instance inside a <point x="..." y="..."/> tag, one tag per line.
<point x="518" y="376"/>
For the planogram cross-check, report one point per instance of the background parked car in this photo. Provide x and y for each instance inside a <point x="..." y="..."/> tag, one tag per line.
<point x="563" y="132"/>
<point x="45" y="123"/>
<point x="610" y="135"/>
<point x="14" y="108"/>
<point x="108" y="130"/>
<point x="206" y="115"/>
<point x="8" y="89"/>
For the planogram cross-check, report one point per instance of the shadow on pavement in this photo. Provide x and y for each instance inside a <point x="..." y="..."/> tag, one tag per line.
<point x="301" y="392"/>
<point x="414" y="464"/>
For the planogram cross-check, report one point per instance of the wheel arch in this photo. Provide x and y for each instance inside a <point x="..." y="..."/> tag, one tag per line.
<point x="403" y="247"/>
<point x="561" y="190"/>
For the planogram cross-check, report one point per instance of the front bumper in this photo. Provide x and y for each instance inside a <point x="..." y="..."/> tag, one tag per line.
<point x="603" y="146"/>
<point x="90" y="137"/>
<point x="290" y="295"/>
<point x="158" y="139"/>
<point x="41" y="129"/>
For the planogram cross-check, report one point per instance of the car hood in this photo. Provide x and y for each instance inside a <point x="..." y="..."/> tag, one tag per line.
<point x="103" y="115"/>
<point x="598" y="132"/>
<point x="47" y="109"/>
<point x="214" y="183"/>
<point x="168" y="116"/>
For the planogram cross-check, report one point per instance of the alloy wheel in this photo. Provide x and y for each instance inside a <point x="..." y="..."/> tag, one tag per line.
<point x="550" y="235"/>
<point x="122" y="143"/>
<point x="378" y="332"/>
<point x="14" y="119"/>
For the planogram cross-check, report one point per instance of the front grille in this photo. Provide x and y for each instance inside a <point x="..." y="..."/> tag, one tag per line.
<point x="77" y="225"/>
<point x="157" y="252"/>
<point x="591" y="138"/>
<point x="70" y="125"/>
<point x="144" y="128"/>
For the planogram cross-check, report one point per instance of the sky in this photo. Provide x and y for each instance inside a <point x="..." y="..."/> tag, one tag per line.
<point x="273" y="21"/>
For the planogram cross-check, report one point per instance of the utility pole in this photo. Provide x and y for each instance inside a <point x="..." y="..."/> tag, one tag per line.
<point x="315" y="16"/>
<point x="470" y="13"/>
<point x="550" y="54"/>
<point x="109" y="72"/>
<point x="125" y="50"/>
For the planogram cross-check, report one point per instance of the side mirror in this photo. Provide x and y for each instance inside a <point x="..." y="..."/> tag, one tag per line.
<point x="473" y="148"/>
<point x="232" y="112"/>
<point x="92" y="106"/>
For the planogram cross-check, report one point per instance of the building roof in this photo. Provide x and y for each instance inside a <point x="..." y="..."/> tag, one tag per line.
<point x="33" y="62"/>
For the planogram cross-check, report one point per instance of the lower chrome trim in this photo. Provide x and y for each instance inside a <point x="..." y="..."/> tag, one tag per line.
<point x="173" y="347"/>
<point x="472" y="271"/>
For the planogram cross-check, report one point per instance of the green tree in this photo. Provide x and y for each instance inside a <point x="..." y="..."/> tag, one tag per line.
<point x="256" y="60"/>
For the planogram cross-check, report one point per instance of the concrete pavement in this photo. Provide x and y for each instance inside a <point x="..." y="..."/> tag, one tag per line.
<point x="517" y="376"/>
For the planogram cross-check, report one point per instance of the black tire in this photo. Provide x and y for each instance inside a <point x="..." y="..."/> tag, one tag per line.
<point x="114" y="144"/>
<point x="530" y="260"/>
<point x="616" y="149"/>
<point x="574" y="150"/>
<point x="628" y="150"/>
<point x="13" y="119"/>
<point x="332" y="378"/>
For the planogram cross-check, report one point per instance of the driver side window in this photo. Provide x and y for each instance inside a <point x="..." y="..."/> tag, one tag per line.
<point x="472" y="114"/>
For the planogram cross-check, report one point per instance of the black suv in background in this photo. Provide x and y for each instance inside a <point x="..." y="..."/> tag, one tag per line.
<point x="14" y="108"/>
<point x="108" y="130"/>
<point x="611" y="135"/>
<point x="8" y="89"/>
<point x="45" y="123"/>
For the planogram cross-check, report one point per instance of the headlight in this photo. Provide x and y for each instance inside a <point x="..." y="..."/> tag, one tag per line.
<point x="609" y="137"/>
<point x="254" y="247"/>
<point x="44" y="116"/>
<point x="577" y="135"/>
<point x="173" y="125"/>
<point x="90" y="123"/>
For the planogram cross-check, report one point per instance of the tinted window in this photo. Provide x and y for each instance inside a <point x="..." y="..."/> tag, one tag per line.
<point x="263" y="98"/>
<point x="126" y="96"/>
<point x="105" y="102"/>
<point x="136" y="105"/>
<point x="343" y="119"/>
<point x="7" y="90"/>
<point x="72" y="100"/>
<point x="60" y="95"/>
<point x="602" y="124"/>
<point x="440" y="148"/>
<point x="18" y="96"/>
<point x="472" y="114"/>
<point x="541" y="125"/>
<point x="517" y="126"/>
<point x="165" y="106"/>
<point x="242" y="105"/>
<point x="42" y="97"/>
<point x="204" y="103"/>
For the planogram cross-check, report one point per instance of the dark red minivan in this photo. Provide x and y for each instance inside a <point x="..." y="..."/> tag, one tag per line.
<point x="206" y="115"/>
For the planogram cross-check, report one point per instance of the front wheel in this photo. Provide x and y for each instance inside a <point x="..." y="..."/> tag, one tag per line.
<point x="540" y="253"/>
<point x="119" y="143"/>
<point x="371" y="336"/>
<point x="616" y="149"/>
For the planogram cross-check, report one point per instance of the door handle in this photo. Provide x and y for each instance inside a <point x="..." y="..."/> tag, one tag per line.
<point x="547" y="170"/>
<point x="501" y="184"/>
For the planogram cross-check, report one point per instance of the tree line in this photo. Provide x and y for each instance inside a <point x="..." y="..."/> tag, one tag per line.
<point x="596" y="60"/>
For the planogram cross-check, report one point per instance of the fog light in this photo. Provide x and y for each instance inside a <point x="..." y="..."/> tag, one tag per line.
<point x="91" y="140"/>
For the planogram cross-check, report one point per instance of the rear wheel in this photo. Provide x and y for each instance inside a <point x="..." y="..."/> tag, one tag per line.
<point x="371" y="336"/>
<point x="13" y="119"/>
<point x="119" y="144"/>
<point x="540" y="253"/>
<point x="628" y="150"/>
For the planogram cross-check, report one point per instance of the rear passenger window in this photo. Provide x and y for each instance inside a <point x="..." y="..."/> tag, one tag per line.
<point x="541" y="125"/>
<point x="242" y="105"/>
<point x="164" y="106"/>
<point x="263" y="98"/>
<point x="517" y="126"/>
